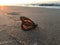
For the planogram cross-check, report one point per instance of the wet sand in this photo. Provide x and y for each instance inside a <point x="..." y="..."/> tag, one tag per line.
<point x="47" y="32"/>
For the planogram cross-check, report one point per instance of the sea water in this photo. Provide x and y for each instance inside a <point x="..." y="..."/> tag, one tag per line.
<point x="54" y="7"/>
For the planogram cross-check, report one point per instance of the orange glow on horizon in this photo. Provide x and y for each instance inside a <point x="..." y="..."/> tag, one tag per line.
<point x="3" y="8"/>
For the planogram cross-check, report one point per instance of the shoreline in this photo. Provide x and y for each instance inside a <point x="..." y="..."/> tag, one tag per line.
<point x="45" y="7"/>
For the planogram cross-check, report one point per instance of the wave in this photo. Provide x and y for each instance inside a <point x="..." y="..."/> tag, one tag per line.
<point x="55" y="6"/>
<point x="46" y="4"/>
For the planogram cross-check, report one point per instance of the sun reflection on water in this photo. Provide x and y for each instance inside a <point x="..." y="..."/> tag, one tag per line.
<point x="3" y="10"/>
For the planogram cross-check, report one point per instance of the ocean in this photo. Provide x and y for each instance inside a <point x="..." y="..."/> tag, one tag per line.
<point x="53" y="7"/>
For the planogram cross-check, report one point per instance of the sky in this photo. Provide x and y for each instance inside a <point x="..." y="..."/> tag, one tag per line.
<point x="14" y="2"/>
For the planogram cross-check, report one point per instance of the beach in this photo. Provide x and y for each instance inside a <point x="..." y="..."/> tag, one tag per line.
<point x="46" y="33"/>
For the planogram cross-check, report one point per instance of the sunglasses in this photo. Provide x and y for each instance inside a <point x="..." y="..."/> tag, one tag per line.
<point x="27" y="24"/>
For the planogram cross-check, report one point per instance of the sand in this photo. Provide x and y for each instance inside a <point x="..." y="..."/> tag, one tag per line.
<point x="47" y="32"/>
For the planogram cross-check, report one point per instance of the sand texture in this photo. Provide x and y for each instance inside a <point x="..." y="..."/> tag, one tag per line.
<point x="47" y="32"/>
